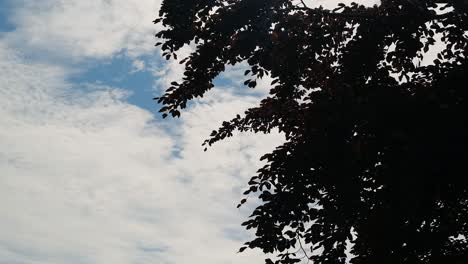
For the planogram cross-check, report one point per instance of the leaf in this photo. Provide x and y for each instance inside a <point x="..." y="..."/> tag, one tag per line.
<point x="426" y="48"/>
<point x="163" y="109"/>
<point x="175" y="113"/>
<point x="241" y="202"/>
<point x="290" y="233"/>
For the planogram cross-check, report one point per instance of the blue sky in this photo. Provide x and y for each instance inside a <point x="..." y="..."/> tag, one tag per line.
<point x="119" y="72"/>
<point x="5" y="25"/>
<point x="89" y="173"/>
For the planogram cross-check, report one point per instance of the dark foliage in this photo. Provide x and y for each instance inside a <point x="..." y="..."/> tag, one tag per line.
<point x="376" y="149"/>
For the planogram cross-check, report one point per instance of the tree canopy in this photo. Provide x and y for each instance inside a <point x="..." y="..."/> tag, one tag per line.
<point x="376" y="137"/>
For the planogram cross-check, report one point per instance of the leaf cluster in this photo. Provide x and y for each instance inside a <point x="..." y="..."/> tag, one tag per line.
<point x="376" y="143"/>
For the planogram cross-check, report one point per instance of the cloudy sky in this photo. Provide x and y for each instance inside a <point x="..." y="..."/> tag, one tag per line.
<point x="89" y="173"/>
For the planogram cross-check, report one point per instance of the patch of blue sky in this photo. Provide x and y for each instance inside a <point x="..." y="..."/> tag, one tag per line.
<point x="233" y="78"/>
<point x="120" y="72"/>
<point x="5" y="23"/>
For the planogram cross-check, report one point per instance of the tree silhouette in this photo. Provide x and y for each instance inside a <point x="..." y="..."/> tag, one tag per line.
<point x="376" y="141"/>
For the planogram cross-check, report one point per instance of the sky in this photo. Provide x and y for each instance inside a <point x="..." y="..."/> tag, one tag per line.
<point x="89" y="172"/>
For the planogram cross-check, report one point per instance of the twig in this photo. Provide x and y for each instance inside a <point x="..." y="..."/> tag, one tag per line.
<point x="302" y="248"/>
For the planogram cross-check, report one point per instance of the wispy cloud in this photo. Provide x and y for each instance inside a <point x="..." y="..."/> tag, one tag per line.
<point x="138" y="65"/>
<point x="85" y="29"/>
<point x="89" y="178"/>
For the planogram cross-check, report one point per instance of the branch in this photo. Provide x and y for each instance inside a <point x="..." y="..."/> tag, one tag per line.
<point x="302" y="248"/>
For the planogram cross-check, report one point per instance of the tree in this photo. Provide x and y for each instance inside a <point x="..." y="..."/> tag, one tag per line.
<point x="376" y="142"/>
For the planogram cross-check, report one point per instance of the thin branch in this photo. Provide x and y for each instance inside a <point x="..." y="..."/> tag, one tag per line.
<point x="302" y="248"/>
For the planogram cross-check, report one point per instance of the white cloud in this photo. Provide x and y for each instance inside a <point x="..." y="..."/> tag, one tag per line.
<point x="88" y="178"/>
<point x="86" y="28"/>
<point x="169" y="71"/>
<point x="137" y="66"/>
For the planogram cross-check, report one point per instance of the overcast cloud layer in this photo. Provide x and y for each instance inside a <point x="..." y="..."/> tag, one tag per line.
<point x="85" y="176"/>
